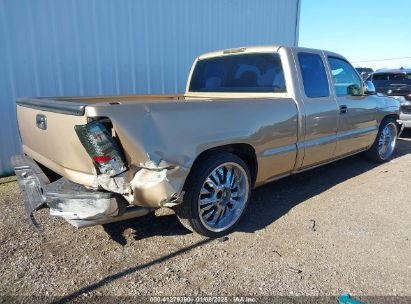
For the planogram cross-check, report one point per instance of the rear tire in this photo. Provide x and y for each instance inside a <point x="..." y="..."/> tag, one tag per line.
<point x="384" y="145"/>
<point x="217" y="193"/>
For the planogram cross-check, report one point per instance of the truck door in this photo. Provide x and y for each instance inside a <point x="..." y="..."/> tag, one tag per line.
<point x="318" y="107"/>
<point x="357" y="126"/>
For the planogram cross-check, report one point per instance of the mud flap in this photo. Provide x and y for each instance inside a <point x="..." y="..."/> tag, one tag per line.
<point x="31" y="180"/>
<point x="402" y="123"/>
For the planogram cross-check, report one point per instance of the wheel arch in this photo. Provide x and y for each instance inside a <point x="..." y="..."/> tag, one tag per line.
<point x="393" y="116"/>
<point x="244" y="151"/>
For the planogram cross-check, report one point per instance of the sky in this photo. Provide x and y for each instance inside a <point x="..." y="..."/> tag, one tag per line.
<point x="363" y="31"/>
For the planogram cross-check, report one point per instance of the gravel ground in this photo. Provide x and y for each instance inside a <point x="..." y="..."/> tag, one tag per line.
<point x="360" y="243"/>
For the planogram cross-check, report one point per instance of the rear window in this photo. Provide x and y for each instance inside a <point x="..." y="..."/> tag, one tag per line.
<point x="259" y="72"/>
<point x="393" y="77"/>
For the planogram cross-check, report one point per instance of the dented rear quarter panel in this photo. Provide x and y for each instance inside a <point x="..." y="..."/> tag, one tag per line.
<point x="177" y="132"/>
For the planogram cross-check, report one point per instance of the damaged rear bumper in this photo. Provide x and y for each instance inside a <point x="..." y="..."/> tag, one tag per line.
<point x="150" y="185"/>
<point x="75" y="203"/>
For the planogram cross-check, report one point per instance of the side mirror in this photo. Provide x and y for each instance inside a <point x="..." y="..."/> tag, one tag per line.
<point x="354" y="90"/>
<point x="369" y="88"/>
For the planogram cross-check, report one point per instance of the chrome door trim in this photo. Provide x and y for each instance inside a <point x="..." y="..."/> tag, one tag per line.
<point x="327" y="139"/>
<point x="280" y="150"/>
<point x="353" y="133"/>
<point x="319" y="141"/>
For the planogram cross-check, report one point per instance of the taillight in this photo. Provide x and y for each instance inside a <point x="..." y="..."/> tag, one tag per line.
<point x="102" y="159"/>
<point x="101" y="147"/>
<point x="408" y="97"/>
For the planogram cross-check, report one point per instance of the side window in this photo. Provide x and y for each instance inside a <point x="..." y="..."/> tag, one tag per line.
<point x="344" y="76"/>
<point x="313" y="74"/>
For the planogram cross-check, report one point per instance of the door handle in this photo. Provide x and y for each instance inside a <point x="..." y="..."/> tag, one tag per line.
<point x="343" y="109"/>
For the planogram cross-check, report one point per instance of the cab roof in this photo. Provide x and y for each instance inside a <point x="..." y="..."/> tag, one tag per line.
<point x="258" y="49"/>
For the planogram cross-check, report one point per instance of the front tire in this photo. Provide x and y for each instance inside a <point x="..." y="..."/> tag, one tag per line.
<point x="384" y="145"/>
<point x="217" y="192"/>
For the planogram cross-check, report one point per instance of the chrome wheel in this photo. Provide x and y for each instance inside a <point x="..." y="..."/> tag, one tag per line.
<point x="223" y="196"/>
<point x="387" y="141"/>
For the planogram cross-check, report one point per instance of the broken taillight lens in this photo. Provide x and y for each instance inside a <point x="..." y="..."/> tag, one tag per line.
<point x="102" y="148"/>
<point x="102" y="159"/>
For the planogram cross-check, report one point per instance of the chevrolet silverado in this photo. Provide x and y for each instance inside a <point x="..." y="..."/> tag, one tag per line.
<point x="248" y="116"/>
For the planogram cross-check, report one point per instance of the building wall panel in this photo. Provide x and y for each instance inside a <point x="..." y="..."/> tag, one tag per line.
<point x="93" y="47"/>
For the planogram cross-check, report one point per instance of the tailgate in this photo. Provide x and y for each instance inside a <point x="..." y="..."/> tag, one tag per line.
<point x="48" y="136"/>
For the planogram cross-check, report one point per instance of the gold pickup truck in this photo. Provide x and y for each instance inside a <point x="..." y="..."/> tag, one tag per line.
<point x="249" y="116"/>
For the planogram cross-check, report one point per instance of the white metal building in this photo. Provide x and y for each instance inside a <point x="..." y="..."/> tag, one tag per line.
<point x="92" y="47"/>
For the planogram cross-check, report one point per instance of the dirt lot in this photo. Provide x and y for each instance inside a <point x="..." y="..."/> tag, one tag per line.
<point x="361" y="242"/>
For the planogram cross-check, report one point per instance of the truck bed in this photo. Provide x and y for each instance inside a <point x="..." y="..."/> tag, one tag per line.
<point x="149" y="125"/>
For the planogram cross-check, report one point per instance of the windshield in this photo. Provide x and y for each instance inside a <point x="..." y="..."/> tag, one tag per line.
<point x="257" y="72"/>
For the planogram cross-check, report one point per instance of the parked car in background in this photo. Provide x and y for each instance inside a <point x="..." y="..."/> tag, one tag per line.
<point x="396" y="83"/>
<point x="249" y="116"/>
<point x="364" y="72"/>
